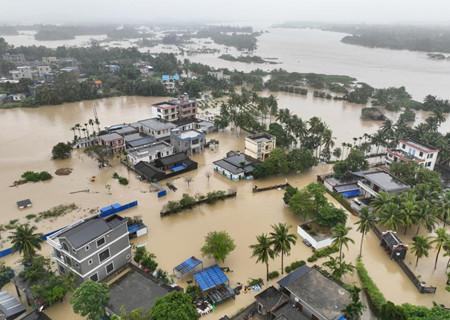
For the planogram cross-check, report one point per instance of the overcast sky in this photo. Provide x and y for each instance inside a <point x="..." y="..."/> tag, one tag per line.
<point x="225" y="11"/>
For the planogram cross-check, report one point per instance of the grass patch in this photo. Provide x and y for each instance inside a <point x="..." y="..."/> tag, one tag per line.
<point x="321" y="253"/>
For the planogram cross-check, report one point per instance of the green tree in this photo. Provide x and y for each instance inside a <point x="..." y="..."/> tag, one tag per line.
<point x="390" y="311"/>
<point x="263" y="251"/>
<point x="355" y="161"/>
<point x="441" y="238"/>
<point x="282" y="241"/>
<point x="338" y="268"/>
<point x="366" y="221"/>
<point x="175" y="305"/>
<point x="341" y="239"/>
<point x="90" y="300"/>
<point x="6" y="274"/>
<point x="330" y="216"/>
<point x="62" y="151"/>
<point x="420" y="247"/>
<point x="26" y="241"/>
<point x="218" y="244"/>
<point x="354" y="310"/>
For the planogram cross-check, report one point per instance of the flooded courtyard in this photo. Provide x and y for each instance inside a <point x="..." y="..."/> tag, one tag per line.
<point x="29" y="134"/>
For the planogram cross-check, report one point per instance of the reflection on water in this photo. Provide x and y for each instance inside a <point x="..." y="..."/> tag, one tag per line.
<point x="29" y="134"/>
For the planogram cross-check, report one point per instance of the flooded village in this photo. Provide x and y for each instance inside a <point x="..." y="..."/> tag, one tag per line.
<point x="150" y="182"/>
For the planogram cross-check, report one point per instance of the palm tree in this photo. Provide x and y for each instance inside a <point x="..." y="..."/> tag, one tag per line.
<point x="444" y="206"/>
<point x="338" y="268"/>
<point x="282" y="240"/>
<point x="390" y="217"/>
<point x="340" y="233"/>
<point x="381" y="201"/>
<point x="263" y="251"/>
<point x="366" y="221"/>
<point x="441" y="238"/>
<point x="420" y="246"/>
<point x="408" y="209"/>
<point x="26" y="241"/>
<point x="425" y="216"/>
<point x="91" y="123"/>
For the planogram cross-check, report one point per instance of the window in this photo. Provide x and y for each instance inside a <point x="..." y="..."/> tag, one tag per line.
<point x="428" y="164"/>
<point x="87" y="248"/>
<point x="94" y="277"/>
<point x="104" y="255"/>
<point x="109" y="268"/>
<point x="100" y="242"/>
<point x="65" y="247"/>
<point x="90" y="262"/>
<point x="420" y="154"/>
<point x="74" y="251"/>
<point x="403" y="146"/>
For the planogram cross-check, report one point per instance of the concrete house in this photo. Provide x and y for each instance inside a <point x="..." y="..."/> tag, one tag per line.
<point x="149" y="153"/>
<point x="190" y="142"/>
<point x="175" y="109"/>
<point x="373" y="182"/>
<point x="155" y="127"/>
<point x="93" y="248"/>
<point x="114" y="141"/>
<point x="23" y="72"/>
<point x="235" y="166"/>
<point x="410" y="151"/>
<point x="303" y="294"/>
<point x="259" y="145"/>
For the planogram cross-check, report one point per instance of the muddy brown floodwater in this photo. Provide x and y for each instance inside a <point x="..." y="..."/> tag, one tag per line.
<point x="25" y="144"/>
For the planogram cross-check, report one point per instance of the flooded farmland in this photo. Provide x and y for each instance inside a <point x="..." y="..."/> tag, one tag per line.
<point x="175" y="238"/>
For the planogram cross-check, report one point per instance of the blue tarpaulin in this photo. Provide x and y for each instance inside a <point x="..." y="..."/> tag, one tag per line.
<point x="210" y="278"/>
<point x="187" y="265"/>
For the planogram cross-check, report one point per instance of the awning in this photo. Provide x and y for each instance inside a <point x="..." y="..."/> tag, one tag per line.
<point x="187" y="265"/>
<point x="10" y="306"/>
<point x="210" y="277"/>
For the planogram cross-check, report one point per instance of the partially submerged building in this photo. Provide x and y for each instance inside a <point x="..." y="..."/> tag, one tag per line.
<point x="410" y="151"/>
<point x="155" y="127"/>
<point x="303" y="294"/>
<point x="135" y="289"/>
<point x="191" y="141"/>
<point x="373" y="182"/>
<point x="175" y="109"/>
<point x="165" y="167"/>
<point x="259" y="145"/>
<point x="93" y="248"/>
<point x="113" y="141"/>
<point x="235" y="166"/>
<point x="149" y="153"/>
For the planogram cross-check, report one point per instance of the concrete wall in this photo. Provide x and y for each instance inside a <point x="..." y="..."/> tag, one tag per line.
<point x="315" y="244"/>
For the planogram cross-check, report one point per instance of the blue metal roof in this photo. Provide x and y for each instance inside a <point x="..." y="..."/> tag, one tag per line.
<point x="210" y="277"/>
<point x="165" y="77"/>
<point x="188" y="265"/>
<point x="176" y="77"/>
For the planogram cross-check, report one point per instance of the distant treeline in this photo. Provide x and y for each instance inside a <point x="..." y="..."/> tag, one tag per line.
<point x="400" y="37"/>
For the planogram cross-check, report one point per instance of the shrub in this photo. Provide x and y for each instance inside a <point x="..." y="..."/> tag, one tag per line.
<point x="294" y="265"/>
<point x="253" y="282"/>
<point x="6" y="274"/>
<point x="62" y="151"/>
<point x="324" y="252"/>
<point x="187" y="201"/>
<point x="139" y="254"/>
<point x="149" y="263"/>
<point x="374" y="295"/>
<point x="193" y="291"/>
<point x="123" y="181"/>
<point x="31" y="176"/>
<point x="273" y="275"/>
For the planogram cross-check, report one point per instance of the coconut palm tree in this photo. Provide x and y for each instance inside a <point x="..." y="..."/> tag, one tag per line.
<point x="91" y="123"/>
<point x="263" y="251"/>
<point x="425" y="216"/>
<point x="26" y="241"/>
<point x="420" y="247"/>
<point x="444" y="206"/>
<point x="340" y="233"/>
<point x="441" y="238"/>
<point x="390" y="216"/>
<point x="408" y="209"/>
<point x="366" y="221"/>
<point x="282" y="240"/>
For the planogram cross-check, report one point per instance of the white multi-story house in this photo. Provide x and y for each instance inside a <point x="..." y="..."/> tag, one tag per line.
<point x="259" y="145"/>
<point x="158" y="128"/>
<point x="149" y="153"/>
<point x="43" y="70"/>
<point x="408" y="150"/>
<point x="93" y="248"/>
<point x="175" y="109"/>
<point x="23" y="72"/>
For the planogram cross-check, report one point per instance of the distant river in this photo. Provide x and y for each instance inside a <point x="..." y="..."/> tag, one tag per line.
<point x="310" y="50"/>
